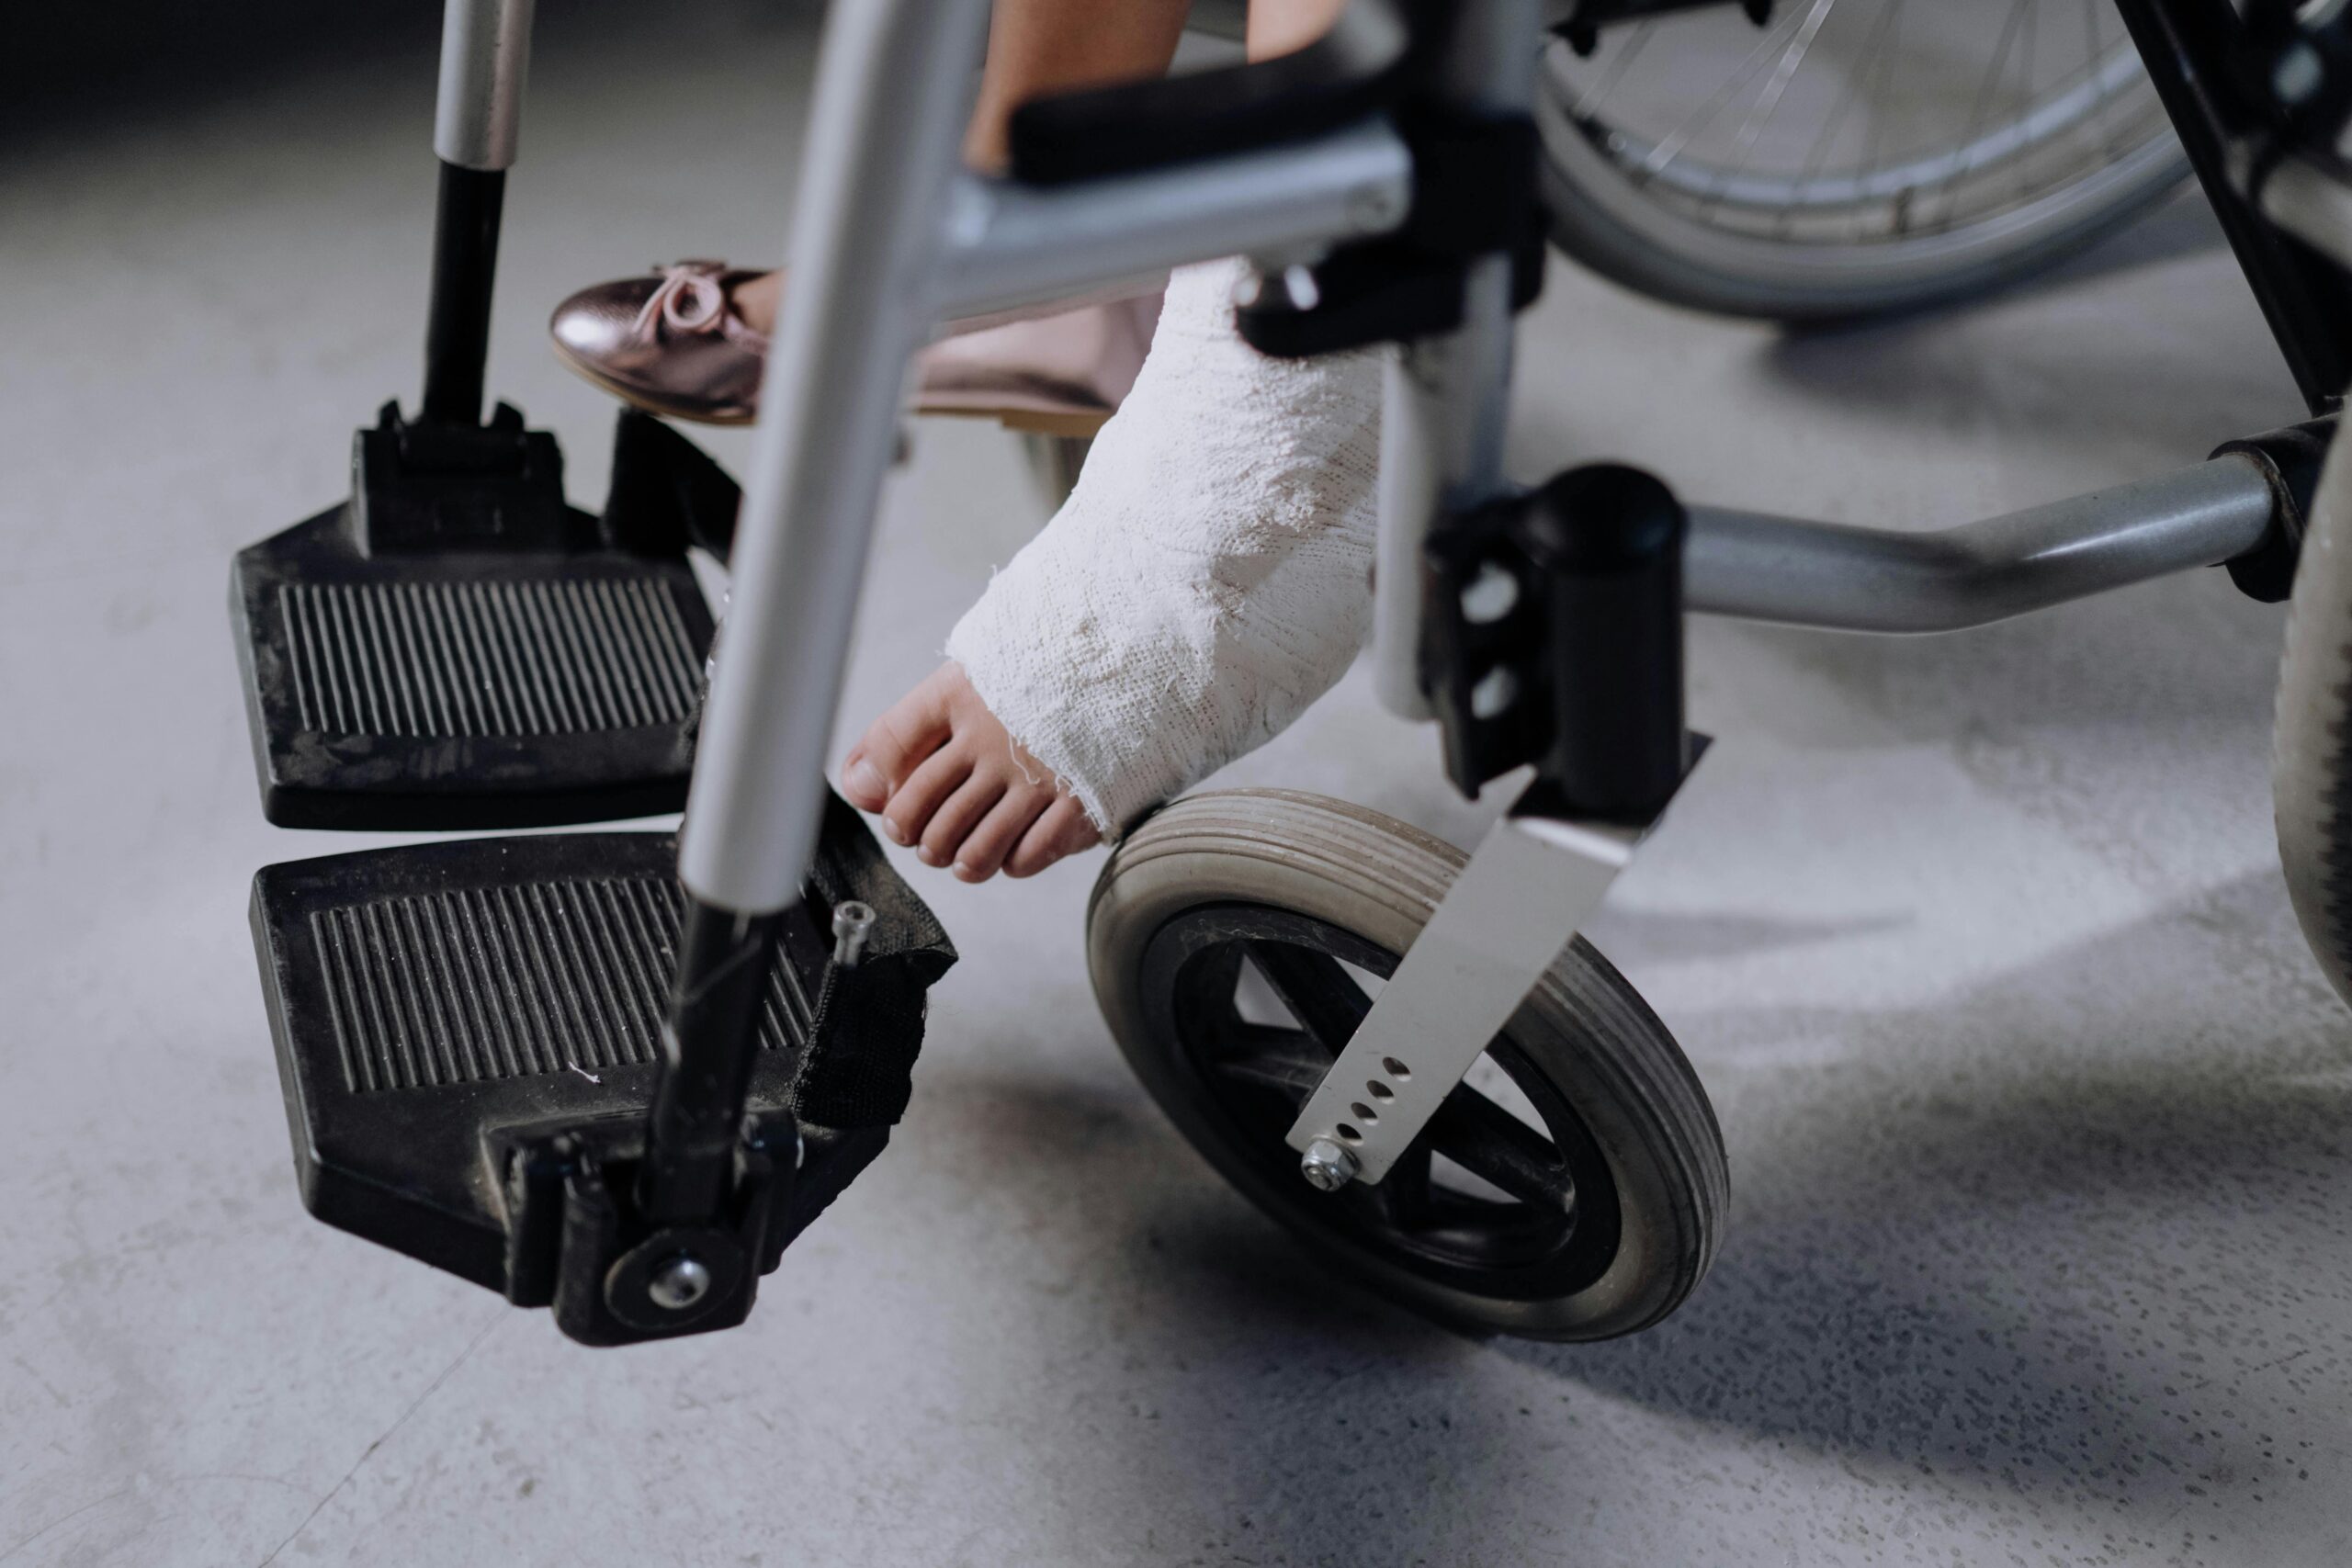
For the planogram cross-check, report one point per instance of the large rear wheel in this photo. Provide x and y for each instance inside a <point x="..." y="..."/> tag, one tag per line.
<point x="1848" y="156"/>
<point x="2312" y="759"/>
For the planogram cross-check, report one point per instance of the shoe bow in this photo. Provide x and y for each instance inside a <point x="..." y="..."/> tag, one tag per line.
<point x="692" y="297"/>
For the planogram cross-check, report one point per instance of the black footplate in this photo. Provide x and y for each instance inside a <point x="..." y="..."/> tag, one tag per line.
<point x="456" y="647"/>
<point x="468" y="1037"/>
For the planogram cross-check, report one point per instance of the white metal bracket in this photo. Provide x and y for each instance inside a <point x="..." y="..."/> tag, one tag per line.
<point x="1532" y="885"/>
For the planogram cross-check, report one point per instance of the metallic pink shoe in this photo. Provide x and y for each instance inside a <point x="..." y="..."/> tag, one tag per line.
<point x="673" y="343"/>
<point x="670" y="341"/>
<point x="1057" y="375"/>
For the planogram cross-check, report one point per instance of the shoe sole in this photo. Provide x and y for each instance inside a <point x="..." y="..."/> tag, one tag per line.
<point x="1080" y="423"/>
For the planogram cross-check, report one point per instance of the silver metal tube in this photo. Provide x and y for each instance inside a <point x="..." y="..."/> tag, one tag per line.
<point x="485" y="48"/>
<point x="1445" y="407"/>
<point x="1011" y="245"/>
<point x="1411" y="487"/>
<point x="1838" y="577"/>
<point x="894" y="87"/>
<point x="1446" y="401"/>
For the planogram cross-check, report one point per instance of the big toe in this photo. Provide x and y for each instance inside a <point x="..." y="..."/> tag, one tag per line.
<point x="894" y="746"/>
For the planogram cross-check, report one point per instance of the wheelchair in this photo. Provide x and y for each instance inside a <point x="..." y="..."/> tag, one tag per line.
<point x="616" y="1074"/>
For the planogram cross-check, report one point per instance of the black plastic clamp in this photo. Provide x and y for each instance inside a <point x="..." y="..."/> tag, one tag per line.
<point x="1474" y="194"/>
<point x="578" y="1242"/>
<point x="1582" y="27"/>
<point x="420" y="487"/>
<point x="2290" y="459"/>
<point x="1554" y="636"/>
<point x="2298" y="60"/>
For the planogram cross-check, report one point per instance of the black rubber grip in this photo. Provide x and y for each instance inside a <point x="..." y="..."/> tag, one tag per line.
<point x="1349" y="71"/>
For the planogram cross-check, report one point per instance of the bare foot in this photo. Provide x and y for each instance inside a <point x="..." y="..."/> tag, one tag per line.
<point x="947" y="778"/>
<point x="756" y="300"/>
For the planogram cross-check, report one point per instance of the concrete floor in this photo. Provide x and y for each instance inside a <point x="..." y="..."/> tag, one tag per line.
<point x="2037" y="1108"/>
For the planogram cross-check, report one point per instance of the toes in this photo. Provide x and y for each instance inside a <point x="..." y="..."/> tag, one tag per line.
<point x="938" y="777"/>
<point x="909" y="731"/>
<point x="953" y="822"/>
<point x="1062" y="830"/>
<point x="986" y="846"/>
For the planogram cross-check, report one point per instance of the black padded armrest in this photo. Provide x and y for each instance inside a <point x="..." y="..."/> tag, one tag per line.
<point x="1349" y="71"/>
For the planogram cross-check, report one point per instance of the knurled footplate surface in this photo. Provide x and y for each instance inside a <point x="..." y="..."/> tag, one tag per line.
<point x="470" y="985"/>
<point x="422" y="997"/>
<point x="429" y="1002"/>
<point x="430" y="691"/>
<point x="527" y="655"/>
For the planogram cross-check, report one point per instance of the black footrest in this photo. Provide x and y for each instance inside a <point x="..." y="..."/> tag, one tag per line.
<point x="434" y="1005"/>
<point x="456" y="648"/>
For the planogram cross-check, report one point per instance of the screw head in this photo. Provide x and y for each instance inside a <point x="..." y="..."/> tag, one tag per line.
<point x="2298" y="74"/>
<point x="1494" y="693"/>
<point x="1489" y="596"/>
<point x="1327" y="1165"/>
<point x="853" y="923"/>
<point x="679" y="1284"/>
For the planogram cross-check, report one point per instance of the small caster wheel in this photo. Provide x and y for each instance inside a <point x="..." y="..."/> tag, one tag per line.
<point x="1055" y="462"/>
<point x="1572" y="1187"/>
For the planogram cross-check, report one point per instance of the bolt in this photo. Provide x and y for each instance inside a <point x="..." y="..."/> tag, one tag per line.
<point x="853" y="923"/>
<point x="2298" y="74"/>
<point x="679" y="1284"/>
<point x="1300" y="287"/>
<point x="1493" y="696"/>
<point x="1491" y="595"/>
<point x="1327" y="1165"/>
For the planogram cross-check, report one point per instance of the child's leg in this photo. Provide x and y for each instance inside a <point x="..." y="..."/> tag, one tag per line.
<point x="1035" y="47"/>
<point x="1208" y="578"/>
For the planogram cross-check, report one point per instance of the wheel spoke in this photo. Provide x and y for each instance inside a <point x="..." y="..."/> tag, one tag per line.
<point x="1991" y="84"/>
<point x="1315" y="989"/>
<point x="1404" y="1196"/>
<point x="1768" y="102"/>
<point x="1468" y="1129"/>
<point x="1284" y="1059"/>
<point x="1856" y="74"/>
<point x="1670" y="147"/>
<point x="1498" y="1147"/>
<point x="1589" y="105"/>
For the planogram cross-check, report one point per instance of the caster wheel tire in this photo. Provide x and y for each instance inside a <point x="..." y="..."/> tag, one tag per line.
<point x="1572" y="1187"/>
<point x="1054" y="463"/>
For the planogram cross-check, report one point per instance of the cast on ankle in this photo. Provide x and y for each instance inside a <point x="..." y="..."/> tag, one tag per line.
<point x="1207" y="580"/>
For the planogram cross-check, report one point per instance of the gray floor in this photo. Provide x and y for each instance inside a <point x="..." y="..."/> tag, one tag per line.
<point x="2036" y="1107"/>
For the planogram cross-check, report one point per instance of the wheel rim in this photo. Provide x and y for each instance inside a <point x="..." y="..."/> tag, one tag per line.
<point x="1862" y="122"/>
<point x="1537" y="1217"/>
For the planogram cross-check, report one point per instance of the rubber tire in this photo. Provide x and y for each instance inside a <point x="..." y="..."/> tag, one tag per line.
<point x="1584" y="1028"/>
<point x="1599" y="219"/>
<point x="2310" y="772"/>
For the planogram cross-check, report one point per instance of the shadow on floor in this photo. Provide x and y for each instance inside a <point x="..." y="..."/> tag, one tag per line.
<point x="1949" y="363"/>
<point x="2045" y="1245"/>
